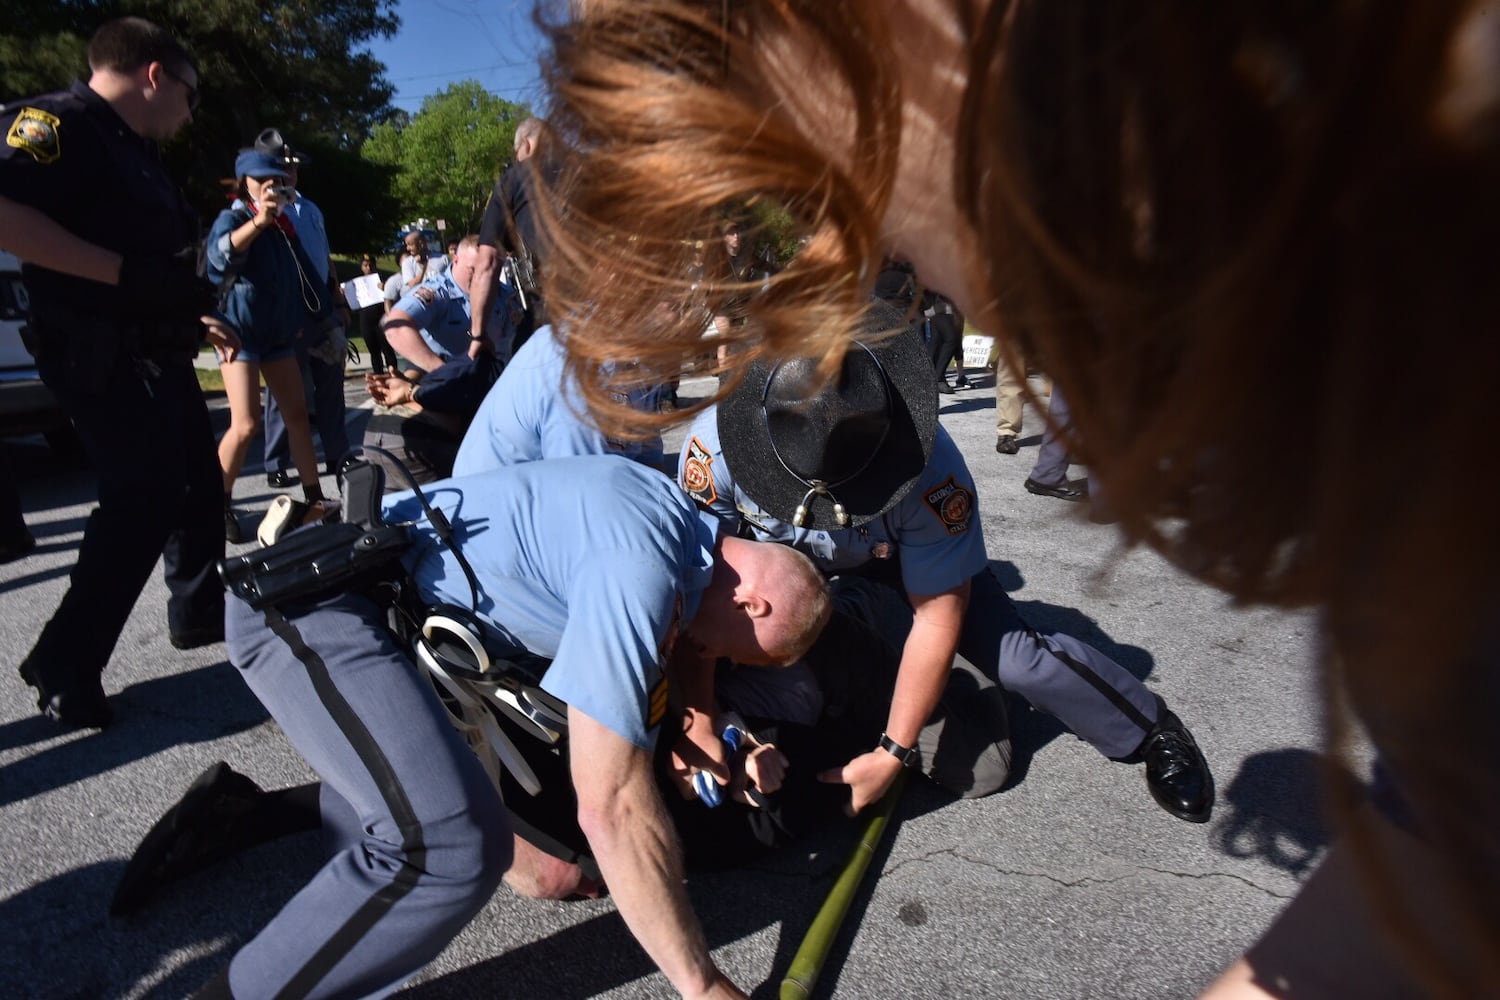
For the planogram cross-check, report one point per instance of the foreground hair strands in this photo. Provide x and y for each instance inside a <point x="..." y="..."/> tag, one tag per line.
<point x="646" y="99"/>
<point x="1232" y="233"/>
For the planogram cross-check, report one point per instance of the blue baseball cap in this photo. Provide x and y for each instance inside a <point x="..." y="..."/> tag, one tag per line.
<point x="254" y="163"/>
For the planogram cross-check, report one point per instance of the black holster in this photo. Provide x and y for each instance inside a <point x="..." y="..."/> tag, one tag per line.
<point x="317" y="560"/>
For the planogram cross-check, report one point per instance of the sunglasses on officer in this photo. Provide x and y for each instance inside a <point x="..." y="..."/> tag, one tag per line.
<point x="192" y="91"/>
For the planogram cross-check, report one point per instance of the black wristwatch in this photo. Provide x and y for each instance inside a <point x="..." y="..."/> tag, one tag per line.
<point x="908" y="756"/>
<point x="479" y="336"/>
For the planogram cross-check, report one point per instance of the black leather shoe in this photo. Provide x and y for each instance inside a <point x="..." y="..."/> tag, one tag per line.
<point x="203" y="827"/>
<point x="17" y="547"/>
<point x="192" y="638"/>
<point x="1074" y="490"/>
<point x="1006" y="444"/>
<point x="80" y="705"/>
<point x="1176" y="772"/>
<point x="232" y="532"/>
<point x="279" y="479"/>
<point x="944" y="387"/>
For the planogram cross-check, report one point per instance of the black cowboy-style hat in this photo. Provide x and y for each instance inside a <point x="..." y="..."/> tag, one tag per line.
<point x="270" y="141"/>
<point x="841" y="453"/>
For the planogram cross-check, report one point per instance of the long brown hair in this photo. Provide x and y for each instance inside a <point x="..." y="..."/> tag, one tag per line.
<point x="659" y="105"/>
<point x="1280" y="382"/>
<point x="1251" y="241"/>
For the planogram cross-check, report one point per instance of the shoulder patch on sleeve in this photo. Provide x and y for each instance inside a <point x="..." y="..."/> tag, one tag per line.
<point x="35" y="131"/>
<point x="953" y="504"/>
<point x="656" y="703"/>
<point x="698" y="474"/>
<point x="657" y="709"/>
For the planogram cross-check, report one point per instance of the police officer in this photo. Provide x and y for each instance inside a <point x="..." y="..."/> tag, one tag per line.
<point x="433" y="323"/>
<point x="511" y="225"/>
<point x="859" y="475"/>
<point x="430" y="326"/>
<point x="535" y="411"/>
<point x="597" y="563"/>
<point x="107" y="242"/>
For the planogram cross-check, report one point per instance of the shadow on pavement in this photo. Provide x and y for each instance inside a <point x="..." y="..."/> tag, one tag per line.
<point x="189" y="707"/>
<point x="1273" y="810"/>
<point x="212" y="914"/>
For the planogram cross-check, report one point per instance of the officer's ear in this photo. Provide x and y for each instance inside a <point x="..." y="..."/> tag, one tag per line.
<point x="156" y="75"/>
<point x="752" y="605"/>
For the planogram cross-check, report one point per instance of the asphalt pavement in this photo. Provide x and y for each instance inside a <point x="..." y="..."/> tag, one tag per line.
<point x="1070" y="883"/>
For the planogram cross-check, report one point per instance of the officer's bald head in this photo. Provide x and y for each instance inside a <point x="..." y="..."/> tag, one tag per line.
<point x="766" y="604"/>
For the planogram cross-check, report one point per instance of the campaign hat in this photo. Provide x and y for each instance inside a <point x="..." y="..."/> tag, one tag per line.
<point x="834" y="453"/>
<point x="270" y="141"/>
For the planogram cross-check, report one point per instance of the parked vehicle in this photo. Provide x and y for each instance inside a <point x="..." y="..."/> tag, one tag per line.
<point x="27" y="406"/>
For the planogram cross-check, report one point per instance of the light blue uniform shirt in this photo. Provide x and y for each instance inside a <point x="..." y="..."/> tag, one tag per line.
<point x="444" y="322"/>
<point x="534" y="411"/>
<point x="594" y="562"/>
<point x="933" y="529"/>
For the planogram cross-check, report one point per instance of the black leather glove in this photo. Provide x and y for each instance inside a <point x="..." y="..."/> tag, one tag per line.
<point x="166" y="288"/>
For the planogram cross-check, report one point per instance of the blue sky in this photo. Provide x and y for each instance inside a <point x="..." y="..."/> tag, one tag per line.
<point x="444" y="41"/>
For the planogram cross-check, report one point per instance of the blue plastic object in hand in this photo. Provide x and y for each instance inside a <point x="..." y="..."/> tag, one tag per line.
<point x="733" y="734"/>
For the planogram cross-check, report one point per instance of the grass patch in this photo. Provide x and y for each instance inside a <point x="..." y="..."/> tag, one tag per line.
<point x="211" y="379"/>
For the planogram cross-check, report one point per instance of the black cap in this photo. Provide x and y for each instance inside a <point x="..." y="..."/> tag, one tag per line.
<point x="853" y="446"/>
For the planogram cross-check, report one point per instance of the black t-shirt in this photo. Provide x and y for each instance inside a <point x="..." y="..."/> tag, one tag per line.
<point x="70" y="156"/>
<point x="513" y="196"/>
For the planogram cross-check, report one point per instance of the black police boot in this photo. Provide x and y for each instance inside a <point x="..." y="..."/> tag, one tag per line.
<point x="232" y="531"/>
<point x="203" y="635"/>
<point x="72" y="701"/>
<point x="1176" y="771"/>
<point x="206" y="825"/>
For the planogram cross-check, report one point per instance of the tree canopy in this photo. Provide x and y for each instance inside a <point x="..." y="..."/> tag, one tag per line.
<point x="449" y="153"/>
<point x="295" y="64"/>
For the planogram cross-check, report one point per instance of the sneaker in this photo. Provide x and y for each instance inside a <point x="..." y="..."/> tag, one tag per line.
<point x="286" y="515"/>
<point x="278" y="479"/>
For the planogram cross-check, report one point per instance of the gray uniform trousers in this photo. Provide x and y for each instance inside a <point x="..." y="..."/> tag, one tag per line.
<point x="431" y="839"/>
<point x="1095" y="697"/>
<point x="1052" y="459"/>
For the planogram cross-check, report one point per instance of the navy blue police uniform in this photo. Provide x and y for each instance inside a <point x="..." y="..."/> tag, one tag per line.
<point x="123" y="372"/>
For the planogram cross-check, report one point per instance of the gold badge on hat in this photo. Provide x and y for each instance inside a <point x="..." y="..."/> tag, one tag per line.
<point x="35" y="131"/>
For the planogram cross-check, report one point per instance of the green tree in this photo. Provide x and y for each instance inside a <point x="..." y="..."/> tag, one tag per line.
<point x="449" y="153"/>
<point x="294" y="64"/>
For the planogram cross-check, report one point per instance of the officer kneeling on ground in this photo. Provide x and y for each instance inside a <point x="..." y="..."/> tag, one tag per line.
<point x="595" y="563"/>
<point x="858" y="474"/>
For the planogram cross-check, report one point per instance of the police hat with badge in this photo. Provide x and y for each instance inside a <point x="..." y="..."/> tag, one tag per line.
<point x="838" y="453"/>
<point x="270" y="141"/>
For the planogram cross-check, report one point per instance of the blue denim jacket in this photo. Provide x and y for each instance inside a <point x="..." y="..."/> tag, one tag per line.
<point x="276" y="292"/>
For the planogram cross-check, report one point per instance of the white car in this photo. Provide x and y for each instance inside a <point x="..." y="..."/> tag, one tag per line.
<point x="26" y="405"/>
